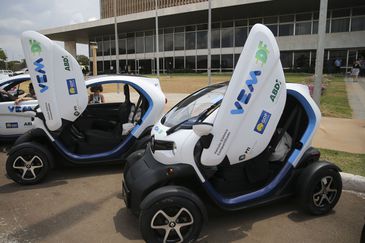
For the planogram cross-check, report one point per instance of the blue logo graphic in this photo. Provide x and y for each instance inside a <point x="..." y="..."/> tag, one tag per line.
<point x="71" y="84"/>
<point x="262" y="122"/>
<point x="12" y="108"/>
<point x="11" y="125"/>
<point x="41" y="77"/>
<point x="243" y="98"/>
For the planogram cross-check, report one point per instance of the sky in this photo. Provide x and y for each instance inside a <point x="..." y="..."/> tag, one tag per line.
<point x="17" y="16"/>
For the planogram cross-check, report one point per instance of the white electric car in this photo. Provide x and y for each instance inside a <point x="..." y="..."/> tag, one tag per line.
<point x="15" y="120"/>
<point x="242" y="143"/>
<point x="66" y="126"/>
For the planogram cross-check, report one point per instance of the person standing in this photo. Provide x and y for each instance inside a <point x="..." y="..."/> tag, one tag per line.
<point x="355" y="71"/>
<point x="338" y="63"/>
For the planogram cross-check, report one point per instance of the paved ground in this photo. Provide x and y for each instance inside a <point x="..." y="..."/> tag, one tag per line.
<point x="356" y="95"/>
<point x="83" y="205"/>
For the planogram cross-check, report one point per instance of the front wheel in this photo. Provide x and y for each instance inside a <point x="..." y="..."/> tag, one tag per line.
<point x="322" y="192"/>
<point x="171" y="219"/>
<point x="29" y="164"/>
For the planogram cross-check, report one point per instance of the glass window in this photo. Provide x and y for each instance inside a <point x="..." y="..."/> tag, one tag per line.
<point x="202" y="39"/>
<point x="227" y="61"/>
<point x="190" y="28"/>
<point x="179" y="29"/>
<point x="99" y="50"/>
<point x="139" y="45"/>
<point x="130" y="45"/>
<point x="358" y="23"/>
<point x="179" y="63"/>
<point x="168" y="42"/>
<point x="273" y="28"/>
<point x="315" y="27"/>
<point x="340" y="13"/>
<point x="190" y="62"/>
<point x="227" y="37"/>
<point x="202" y="27"/>
<point x="241" y="22"/>
<point x="190" y="40"/>
<point x="241" y="36"/>
<point x="303" y="28"/>
<point x="169" y="64"/>
<point x="149" y="43"/>
<point x="270" y="20"/>
<point x="106" y="47"/>
<point x="168" y="30"/>
<point x="216" y="38"/>
<point x="285" y="29"/>
<point x="131" y="66"/>
<point x="216" y="62"/>
<point x="255" y="21"/>
<point x="216" y="25"/>
<point x="179" y="41"/>
<point x="286" y="59"/>
<point x="340" y="25"/>
<point x="139" y="34"/>
<point x="301" y="60"/>
<point x="160" y="43"/>
<point x="286" y="18"/>
<point x="305" y="16"/>
<point x="358" y="11"/>
<point x="121" y="44"/>
<point x="227" y="24"/>
<point x="112" y="46"/>
<point x="202" y="62"/>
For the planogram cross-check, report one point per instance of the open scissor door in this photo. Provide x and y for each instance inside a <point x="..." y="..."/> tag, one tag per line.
<point x="57" y="79"/>
<point x="253" y="103"/>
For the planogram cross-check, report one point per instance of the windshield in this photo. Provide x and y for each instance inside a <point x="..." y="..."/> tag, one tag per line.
<point x="194" y="105"/>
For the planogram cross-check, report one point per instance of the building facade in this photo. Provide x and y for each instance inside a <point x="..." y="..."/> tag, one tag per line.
<point x="183" y="34"/>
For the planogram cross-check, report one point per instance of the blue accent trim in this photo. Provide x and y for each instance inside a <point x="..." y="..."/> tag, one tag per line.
<point x="234" y="201"/>
<point x="114" y="153"/>
<point x="120" y="149"/>
<point x="311" y="122"/>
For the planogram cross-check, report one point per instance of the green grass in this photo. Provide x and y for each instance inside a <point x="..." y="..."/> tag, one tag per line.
<point x="348" y="162"/>
<point x="334" y="102"/>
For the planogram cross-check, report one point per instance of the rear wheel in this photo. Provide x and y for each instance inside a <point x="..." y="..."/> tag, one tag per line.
<point x="171" y="219"/>
<point x="322" y="191"/>
<point x="28" y="165"/>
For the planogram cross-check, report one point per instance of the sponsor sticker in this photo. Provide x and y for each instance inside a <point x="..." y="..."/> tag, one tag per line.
<point x="35" y="47"/>
<point x="16" y="108"/>
<point x="11" y="125"/>
<point x="71" y="84"/>
<point x="262" y="53"/>
<point x="66" y="63"/>
<point x="262" y="122"/>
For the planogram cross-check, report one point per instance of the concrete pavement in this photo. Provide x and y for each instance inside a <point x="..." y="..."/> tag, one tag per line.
<point x="84" y="205"/>
<point x="356" y="96"/>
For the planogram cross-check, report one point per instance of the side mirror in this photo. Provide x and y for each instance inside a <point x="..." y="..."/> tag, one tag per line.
<point x="202" y="129"/>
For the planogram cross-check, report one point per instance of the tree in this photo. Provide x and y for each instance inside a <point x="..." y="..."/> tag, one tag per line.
<point x="3" y="56"/>
<point x="82" y="60"/>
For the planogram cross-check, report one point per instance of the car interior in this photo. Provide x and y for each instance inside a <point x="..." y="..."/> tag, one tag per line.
<point x="101" y="127"/>
<point x="253" y="174"/>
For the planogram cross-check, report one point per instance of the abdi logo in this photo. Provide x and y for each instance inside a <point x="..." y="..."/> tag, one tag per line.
<point x="262" y="122"/>
<point x="41" y="76"/>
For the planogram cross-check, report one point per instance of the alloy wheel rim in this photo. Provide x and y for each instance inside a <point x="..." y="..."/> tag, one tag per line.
<point x="173" y="227"/>
<point x="29" y="166"/>
<point x="325" y="192"/>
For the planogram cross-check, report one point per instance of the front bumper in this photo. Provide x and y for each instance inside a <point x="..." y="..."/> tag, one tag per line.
<point x="147" y="174"/>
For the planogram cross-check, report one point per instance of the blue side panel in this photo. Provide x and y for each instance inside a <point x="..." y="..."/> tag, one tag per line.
<point x="235" y="201"/>
<point x="121" y="148"/>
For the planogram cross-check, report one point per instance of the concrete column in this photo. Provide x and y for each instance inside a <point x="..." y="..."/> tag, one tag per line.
<point x="70" y="46"/>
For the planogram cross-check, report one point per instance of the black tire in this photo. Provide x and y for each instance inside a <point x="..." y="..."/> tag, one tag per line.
<point x="321" y="192"/>
<point x="171" y="206"/>
<point x="40" y="164"/>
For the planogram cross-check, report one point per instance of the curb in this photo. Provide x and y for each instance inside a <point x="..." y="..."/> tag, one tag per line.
<point x="353" y="182"/>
